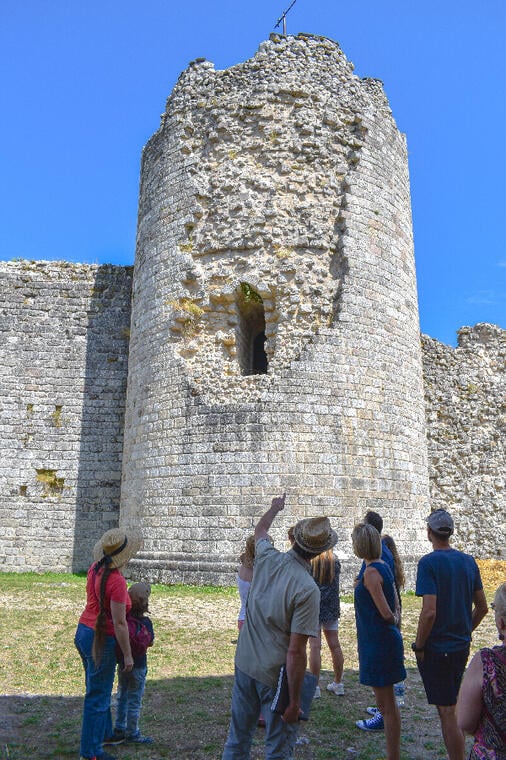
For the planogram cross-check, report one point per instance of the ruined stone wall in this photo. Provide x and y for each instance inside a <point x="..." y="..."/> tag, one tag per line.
<point x="465" y="393"/>
<point x="275" y="203"/>
<point x="274" y="199"/>
<point x="64" y="332"/>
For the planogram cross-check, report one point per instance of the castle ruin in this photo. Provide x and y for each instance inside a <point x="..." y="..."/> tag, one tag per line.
<point x="267" y="340"/>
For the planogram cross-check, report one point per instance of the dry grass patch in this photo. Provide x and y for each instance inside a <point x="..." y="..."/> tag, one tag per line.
<point x="187" y="700"/>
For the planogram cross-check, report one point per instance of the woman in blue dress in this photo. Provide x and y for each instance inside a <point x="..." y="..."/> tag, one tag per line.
<point x="380" y="648"/>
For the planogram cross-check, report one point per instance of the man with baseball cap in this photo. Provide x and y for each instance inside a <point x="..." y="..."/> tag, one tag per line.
<point x="453" y="605"/>
<point x="282" y="612"/>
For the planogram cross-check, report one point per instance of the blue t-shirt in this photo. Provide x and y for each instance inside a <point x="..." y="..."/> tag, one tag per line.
<point x="453" y="577"/>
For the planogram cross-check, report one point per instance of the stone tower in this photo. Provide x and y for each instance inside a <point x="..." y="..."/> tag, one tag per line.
<point x="275" y="339"/>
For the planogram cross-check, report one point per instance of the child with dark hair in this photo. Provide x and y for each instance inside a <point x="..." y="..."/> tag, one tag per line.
<point x="131" y="684"/>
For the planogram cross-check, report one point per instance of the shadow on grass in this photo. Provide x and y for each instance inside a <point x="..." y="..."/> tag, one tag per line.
<point x="188" y="719"/>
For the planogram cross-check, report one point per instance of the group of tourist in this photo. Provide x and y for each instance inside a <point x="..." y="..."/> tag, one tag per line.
<point x="282" y="610"/>
<point x="287" y="599"/>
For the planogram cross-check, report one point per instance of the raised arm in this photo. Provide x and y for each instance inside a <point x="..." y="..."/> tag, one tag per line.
<point x="265" y="522"/>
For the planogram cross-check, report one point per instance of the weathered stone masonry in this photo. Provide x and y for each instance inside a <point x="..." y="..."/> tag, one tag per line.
<point x="271" y="343"/>
<point x="64" y="331"/>
<point x="465" y="393"/>
<point x="274" y="206"/>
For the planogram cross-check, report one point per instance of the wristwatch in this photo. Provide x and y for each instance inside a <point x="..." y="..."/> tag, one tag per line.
<point x="415" y="648"/>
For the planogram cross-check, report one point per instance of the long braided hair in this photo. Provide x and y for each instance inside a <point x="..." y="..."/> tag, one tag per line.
<point x="101" y="621"/>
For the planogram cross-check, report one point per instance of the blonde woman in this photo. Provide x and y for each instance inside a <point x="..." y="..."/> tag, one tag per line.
<point x="325" y="569"/>
<point x="380" y="648"/>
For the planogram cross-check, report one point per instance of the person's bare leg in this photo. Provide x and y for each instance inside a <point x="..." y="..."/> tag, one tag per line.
<point x="452" y="735"/>
<point x="336" y="653"/>
<point x="385" y="699"/>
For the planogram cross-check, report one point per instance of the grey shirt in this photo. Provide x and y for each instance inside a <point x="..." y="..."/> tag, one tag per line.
<point x="283" y="599"/>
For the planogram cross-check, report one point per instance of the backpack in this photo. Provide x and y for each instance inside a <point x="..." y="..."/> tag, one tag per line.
<point x="140" y="638"/>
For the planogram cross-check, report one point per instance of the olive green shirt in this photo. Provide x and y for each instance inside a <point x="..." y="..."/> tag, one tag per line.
<point x="283" y="599"/>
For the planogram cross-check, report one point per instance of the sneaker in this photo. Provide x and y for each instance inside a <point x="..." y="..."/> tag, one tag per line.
<point x="118" y="737"/>
<point x="139" y="739"/>
<point x="372" y="710"/>
<point x="317" y="693"/>
<point x="336" y="688"/>
<point x="105" y="756"/>
<point x="371" y="724"/>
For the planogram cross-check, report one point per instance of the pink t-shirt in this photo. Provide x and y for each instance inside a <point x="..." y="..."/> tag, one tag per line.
<point x="115" y="591"/>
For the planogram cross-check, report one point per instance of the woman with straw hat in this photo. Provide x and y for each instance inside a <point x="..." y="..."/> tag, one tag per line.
<point x="101" y="625"/>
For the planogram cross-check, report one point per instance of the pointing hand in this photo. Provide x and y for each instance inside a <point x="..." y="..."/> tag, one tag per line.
<point x="278" y="502"/>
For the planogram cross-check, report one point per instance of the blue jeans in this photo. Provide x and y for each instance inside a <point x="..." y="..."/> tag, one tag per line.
<point x="129" y="700"/>
<point x="249" y="698"/>
<point x="99" y="680"/>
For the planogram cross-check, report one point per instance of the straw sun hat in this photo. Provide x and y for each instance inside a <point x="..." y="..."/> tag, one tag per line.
<point x="117" y="546"/>
<point x="315" y="535"/>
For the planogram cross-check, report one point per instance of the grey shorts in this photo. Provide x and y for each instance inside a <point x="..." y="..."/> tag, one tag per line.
<point x="332" y="625"/>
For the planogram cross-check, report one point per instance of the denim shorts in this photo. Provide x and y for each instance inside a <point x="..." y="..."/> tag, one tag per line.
<point x="442" y="674"/>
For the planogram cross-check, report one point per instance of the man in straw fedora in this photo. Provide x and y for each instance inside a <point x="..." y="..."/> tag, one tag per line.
<point x="282" y="612"/>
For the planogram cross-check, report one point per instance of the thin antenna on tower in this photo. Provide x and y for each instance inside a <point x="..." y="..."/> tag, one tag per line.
<point x="282" y="18"/>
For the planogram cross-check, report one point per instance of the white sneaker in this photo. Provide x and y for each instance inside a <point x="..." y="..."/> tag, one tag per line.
<point x="317" y="693"/>
<point x="336" y="688"/>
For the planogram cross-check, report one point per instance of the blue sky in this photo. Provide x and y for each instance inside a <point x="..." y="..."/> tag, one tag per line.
<point x="83" y="84"/>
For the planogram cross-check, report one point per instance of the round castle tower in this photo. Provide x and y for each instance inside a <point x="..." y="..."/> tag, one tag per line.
<point x="275" y="341"/>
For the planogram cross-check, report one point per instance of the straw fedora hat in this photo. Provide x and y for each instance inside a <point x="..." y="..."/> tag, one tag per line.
<point x="117" y="546"/>
<point x="315" y="535"/>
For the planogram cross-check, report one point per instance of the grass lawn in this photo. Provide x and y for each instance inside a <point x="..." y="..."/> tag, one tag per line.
<point x="187" y="698"/>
